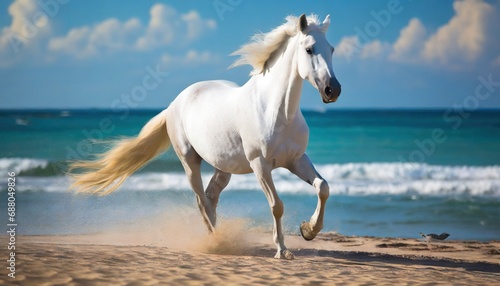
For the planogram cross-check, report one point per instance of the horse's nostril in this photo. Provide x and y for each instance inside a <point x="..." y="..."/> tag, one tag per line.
<point x="328" y="91"/>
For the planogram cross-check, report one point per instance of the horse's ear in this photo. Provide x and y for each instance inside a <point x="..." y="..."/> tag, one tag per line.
<point x="302" y="23"/>
<point x="326" y="23"/>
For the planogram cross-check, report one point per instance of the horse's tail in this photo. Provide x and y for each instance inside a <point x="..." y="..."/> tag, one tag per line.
<point x="110" y="169"/>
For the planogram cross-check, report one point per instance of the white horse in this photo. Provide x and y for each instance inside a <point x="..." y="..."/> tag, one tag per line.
<point x="253" y="128"/>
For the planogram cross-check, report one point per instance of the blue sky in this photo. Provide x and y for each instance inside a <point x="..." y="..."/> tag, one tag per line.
<point x="389" y="54"/>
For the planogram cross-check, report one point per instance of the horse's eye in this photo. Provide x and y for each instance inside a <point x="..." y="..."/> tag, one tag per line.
<point x="309" y="50"/>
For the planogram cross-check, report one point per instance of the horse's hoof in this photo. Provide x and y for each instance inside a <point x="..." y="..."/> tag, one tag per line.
<point x="306" y="231"/>
<point x="284" y="254"/>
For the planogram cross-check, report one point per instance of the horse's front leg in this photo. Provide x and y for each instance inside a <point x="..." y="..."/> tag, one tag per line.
<point x="305" y="170"/>
<point x="262" y="170"/>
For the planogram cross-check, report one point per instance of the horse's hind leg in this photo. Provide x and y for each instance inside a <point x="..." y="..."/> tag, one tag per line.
<point x="218" y="182"/>
<point x="191" y="162"/>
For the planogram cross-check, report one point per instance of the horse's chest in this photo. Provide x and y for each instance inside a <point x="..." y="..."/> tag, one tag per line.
<point x="283" y="145"/>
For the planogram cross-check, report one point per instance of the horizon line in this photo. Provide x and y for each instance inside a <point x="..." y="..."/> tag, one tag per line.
<point x="103" y="109"/>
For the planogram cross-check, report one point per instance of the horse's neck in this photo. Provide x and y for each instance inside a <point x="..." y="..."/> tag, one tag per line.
<point x="280" y="87"/>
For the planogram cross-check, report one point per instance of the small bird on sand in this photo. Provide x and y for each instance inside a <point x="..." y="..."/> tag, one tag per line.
<point x="432" y="236"/>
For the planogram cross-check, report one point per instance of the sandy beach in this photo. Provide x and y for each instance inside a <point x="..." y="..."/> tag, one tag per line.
<point x="235" y="256"/>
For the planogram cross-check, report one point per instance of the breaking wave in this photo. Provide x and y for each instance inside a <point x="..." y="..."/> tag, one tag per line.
<point x="348" y="179"/>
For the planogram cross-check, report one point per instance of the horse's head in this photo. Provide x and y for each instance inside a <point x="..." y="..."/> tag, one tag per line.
<point x="314" y="56"/>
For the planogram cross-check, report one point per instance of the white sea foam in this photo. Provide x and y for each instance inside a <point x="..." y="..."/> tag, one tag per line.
<point x="350" y="179"/>
<point x="20" y="164"/>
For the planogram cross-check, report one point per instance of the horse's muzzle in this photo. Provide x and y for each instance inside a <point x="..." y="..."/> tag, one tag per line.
<point x="331" y="93"/>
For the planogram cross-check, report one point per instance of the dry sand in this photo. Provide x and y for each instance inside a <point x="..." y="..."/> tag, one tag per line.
<point x="235" y="256"/>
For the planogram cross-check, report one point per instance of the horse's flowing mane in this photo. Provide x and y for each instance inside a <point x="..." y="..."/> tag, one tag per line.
<point x="262" y="45"/>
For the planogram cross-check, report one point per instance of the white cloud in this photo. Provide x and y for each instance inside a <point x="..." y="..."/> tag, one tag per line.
<point x="410" y="42"/>
<point x="470" y="38"/>
<point x="351" y="47"/>
<point x="30" y="35"/>
<point x="72" y="42"/>
<point x="22" y="12"/>
<point x="108" y="35"/>
<point x="165" y="26"/>
<point x="191" y="58"/>
<point x="348" y="47"/>
<point x="375" y="49"/>
<point x="29" y="25"/>
<point x="196" y="25"/>
<point x="463" y="38"/>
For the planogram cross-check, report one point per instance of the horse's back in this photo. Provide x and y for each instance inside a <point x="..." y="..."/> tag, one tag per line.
<point x="210" y="91"/>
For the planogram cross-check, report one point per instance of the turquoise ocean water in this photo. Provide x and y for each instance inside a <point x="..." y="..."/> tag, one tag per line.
<point x="392" y="173"/>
